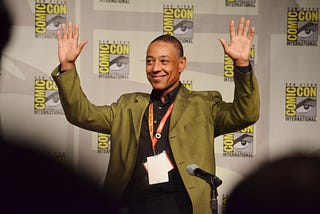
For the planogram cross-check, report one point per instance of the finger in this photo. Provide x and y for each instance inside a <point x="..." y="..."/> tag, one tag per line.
<point x="70" y="31"/>
<point x="224" y="44"/>
<point x="246" y="28"/>
<point x="232" y="30"/>
<point x="64" y="33"/>
<point x="81" y="45"/>
<point x="251" y="35"/>
<point x="76" y="32"/>
<point x="240" y="27"/>
<point x="58" y="38"/>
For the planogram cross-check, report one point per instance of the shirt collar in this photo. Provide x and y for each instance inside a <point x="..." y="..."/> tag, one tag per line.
<point x="169" y="98"/>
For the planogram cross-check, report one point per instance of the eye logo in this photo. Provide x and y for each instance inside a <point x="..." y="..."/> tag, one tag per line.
<point x="243" y="143"/>
<point x="118" y="63"/>
<point x="301" y="102"/>
<point x="52" y="99"/>
<point x="54" y="23"/>
<point x="239" y="144"/>
<point x="48" y="18"/>
<point x="114" y="60"/>
<point x="46" y="97"/>
<point x="302" y="27"/>
<point x="178" y="22"/>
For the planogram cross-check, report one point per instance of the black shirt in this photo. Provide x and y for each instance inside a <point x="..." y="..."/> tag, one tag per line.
<point x="168" y="197"/>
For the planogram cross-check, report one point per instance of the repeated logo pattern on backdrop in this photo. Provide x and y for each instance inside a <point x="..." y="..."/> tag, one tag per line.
<point x="303" y="26"/>
<point x="49" y="15"/>
<point x="113" y="60"/>
<point x="239" y="144"/>
<point x="301" y="102"/>
<point x="46" y="97"/>
<point x="178" y="22"/>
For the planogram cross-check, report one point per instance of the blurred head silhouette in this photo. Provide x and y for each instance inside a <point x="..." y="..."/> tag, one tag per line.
<point x="286" y="185"/>
<point x="5" y="25"/>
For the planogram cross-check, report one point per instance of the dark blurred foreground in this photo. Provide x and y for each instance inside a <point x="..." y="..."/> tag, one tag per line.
<point x="33" y="183"/>
<point x="290" y="184"/>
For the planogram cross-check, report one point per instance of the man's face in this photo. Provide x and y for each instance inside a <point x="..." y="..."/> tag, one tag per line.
<point x="163" y="66"/>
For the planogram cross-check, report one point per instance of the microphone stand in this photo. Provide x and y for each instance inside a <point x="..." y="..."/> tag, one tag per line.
<point x="212" y="180"/>
<point x="214" y="183"/>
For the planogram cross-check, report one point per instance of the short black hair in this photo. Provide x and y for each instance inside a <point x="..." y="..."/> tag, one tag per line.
<point x="170" y="39"/>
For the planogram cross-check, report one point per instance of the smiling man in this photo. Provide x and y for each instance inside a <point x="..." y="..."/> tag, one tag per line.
<point x="164" y="63"/>
<point x="156" y="136"/>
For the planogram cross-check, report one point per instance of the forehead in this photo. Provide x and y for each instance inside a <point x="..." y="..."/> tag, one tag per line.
<point x="161" y="48"/>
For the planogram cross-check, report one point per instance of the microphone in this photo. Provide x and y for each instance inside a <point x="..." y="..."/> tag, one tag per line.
<point x="194" y="170"/>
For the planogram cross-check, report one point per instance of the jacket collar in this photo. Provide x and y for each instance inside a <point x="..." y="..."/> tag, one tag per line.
<point x="142" y="101"/>
<point x="137" y="111"/>
<point x="180" y="105"/>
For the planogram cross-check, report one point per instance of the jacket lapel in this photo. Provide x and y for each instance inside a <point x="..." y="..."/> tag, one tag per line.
<point x="180" y="105"/>
<point x="137" y="111"/>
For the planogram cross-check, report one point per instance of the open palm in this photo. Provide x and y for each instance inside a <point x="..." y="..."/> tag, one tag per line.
<point x="240" y="43"/>
<point x="68" y="47"/>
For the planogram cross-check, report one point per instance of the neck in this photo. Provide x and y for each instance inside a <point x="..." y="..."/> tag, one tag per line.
<point x="161" y="94"/>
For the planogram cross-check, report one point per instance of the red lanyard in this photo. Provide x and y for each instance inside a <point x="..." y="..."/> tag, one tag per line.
<point x="157" y="136"/>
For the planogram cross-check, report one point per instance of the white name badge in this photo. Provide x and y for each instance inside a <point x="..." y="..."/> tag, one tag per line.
<point x="158" y="167"/>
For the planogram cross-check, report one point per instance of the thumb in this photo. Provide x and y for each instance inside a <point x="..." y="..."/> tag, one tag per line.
<point x="81" y="45"/>
<point x="224" y="44"/>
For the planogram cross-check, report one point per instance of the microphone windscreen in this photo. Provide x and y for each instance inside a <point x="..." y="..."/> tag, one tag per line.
<point x="191" y="168"/>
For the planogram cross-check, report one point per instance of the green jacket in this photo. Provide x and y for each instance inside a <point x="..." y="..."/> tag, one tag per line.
<point x="197" y="118"/>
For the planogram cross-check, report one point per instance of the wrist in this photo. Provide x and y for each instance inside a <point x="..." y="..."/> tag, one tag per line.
<point x="241" y="63"/>
<point x="66" y="66"/>
<point x="245" y="69"/>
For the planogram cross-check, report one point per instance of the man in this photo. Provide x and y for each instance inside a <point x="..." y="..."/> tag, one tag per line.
<point x="155" y="136"/>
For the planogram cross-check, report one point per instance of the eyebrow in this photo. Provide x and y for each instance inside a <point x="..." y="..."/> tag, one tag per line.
<point x="162" y="56"/>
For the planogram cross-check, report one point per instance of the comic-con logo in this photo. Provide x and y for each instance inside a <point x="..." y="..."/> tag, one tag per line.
<point x="301" y="102"/>
<point x="239" y="144"/>
<point x="178" y="22"/>
<point x="104" y="143"/>
<point x="229" y="66"/>
<point x="48" y="18"/>
<point x="302" y="27"/>
<point x="187" y="84"/>
<point x="114" y="60"/>
<point x="240" y="3"/>
<point x="46" y="97"/>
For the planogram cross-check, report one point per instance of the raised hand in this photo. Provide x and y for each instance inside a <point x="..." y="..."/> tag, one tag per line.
<point x="240" y="43"/>
<point x="68" y="47"/>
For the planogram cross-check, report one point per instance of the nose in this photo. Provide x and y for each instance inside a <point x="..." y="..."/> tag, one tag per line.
<point x="156" y="66"/>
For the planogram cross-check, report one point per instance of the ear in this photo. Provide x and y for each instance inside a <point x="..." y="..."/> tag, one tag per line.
<point x="182" y="64"/>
